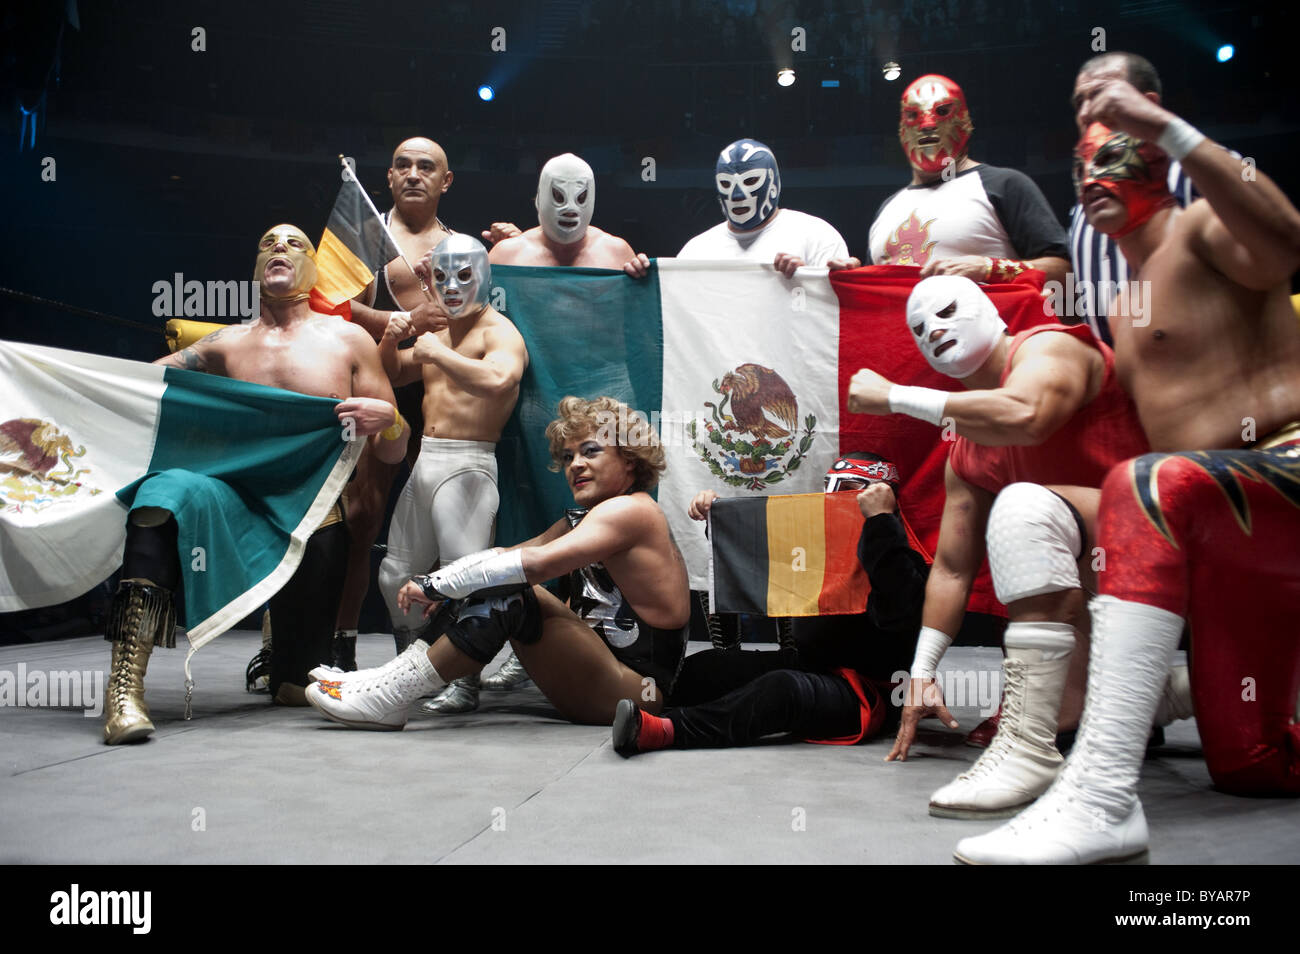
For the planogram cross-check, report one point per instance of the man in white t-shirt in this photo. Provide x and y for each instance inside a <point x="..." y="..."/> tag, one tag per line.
<point x="756" y="228"/>
<point x="958" y="216"/>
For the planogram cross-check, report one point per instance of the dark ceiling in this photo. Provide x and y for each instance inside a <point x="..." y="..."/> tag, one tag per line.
<point x="171" y="159"/>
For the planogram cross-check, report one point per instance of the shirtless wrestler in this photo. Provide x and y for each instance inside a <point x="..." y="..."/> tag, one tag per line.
<point x="625" y="574"/>
<point x="564" y="235"/>
<point x="284" y="348"/>
<point x="1043" y="409"/>
<point x="1203" y="532"/>
<point x="470" y="371"/>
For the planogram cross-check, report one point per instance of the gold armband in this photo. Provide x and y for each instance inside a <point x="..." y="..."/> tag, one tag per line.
<point x="394" y="430"/>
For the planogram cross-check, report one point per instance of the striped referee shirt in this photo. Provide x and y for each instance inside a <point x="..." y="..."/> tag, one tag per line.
<point x="1098" y="262"/>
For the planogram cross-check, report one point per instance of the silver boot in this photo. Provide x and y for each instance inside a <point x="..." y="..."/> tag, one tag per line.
<point x="460" y="695"/>
<point x="511" y="675"/>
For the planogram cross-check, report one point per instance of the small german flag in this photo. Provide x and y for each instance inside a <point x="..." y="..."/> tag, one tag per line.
<point x="354" y="247"/>
<point x="788" y="555"/>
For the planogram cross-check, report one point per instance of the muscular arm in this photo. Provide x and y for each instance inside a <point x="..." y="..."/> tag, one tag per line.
<point x="610" y="528"/>
<point x="495" y="374"/>
<point x="206" y="354"/>
<point x="1253" y="236"/>
<point x="957" y="558"/>
<point x="1047" y="386"/>
<point x="369" y="381"/>
<point x="400" y="366"/>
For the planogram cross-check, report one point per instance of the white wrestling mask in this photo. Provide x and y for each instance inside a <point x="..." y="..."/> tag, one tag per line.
<point x="969" y="321"/>
<point x="566" y="198"/>
<point x="461" y="275"/>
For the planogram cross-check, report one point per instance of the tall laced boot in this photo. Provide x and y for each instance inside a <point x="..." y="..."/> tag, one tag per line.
<point x="1022" y="760"/>
<point x="140" y="616"/>
<point x="460" y="695"/>
<point x="511" y="675"/>
<point x="1091" y="814"/>
<point x="377" y="698"/>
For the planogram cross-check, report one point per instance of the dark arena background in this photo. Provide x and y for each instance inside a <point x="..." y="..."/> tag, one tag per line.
<point x="139" y="140"/>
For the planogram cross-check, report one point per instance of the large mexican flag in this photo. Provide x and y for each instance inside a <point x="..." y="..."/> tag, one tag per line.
<point x="745" y="373"/>
<point x="249" y="471"/>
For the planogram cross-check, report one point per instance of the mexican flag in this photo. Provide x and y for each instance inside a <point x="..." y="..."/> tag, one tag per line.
<point x="249" y="471"/>
<point x="743" y="372"/>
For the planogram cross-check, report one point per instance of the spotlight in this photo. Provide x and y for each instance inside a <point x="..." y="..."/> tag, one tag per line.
<point x="785" y="77"/>
<point x="1225" y="52"/>
<point x="486" y="93"/>
<point x="892" y="71"/>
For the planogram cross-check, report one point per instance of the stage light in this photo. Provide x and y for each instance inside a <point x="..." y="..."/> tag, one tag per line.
<point x="486" y="93"/>
<point x="892" y="71"/>
<point x="1225" y="52"/>
<point x="785" y="77"/>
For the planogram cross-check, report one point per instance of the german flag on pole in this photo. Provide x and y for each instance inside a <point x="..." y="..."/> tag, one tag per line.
<point x="788" y="555"/>
<point x="354" y="247"/>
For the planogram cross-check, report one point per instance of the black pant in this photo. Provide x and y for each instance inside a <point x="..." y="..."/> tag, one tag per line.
<point x="729" y="698"/>
<point x="304" y="612"/>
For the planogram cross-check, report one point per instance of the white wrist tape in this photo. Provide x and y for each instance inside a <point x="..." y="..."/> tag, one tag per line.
<point x="925" y="404"/>
<point x="1179" y="138"/>
<point x="930" y="647"/>
<point x="463" y="578"/>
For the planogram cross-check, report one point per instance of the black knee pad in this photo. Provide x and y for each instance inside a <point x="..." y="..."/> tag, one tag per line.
<point x="483" y="626"/>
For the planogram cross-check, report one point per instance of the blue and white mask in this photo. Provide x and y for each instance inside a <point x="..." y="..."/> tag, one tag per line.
<point x="461" y="275"/>
<point x="749" y="183"/>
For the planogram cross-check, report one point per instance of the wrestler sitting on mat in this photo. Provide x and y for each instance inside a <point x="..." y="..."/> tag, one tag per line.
<point x="832" y="684"/>
<point x="631" y="590"/>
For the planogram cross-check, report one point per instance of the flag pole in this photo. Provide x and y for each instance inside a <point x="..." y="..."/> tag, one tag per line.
<point x="348" y="173"/>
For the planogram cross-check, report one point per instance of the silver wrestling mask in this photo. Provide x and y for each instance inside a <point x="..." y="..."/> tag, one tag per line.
<point x="461" y="275"/>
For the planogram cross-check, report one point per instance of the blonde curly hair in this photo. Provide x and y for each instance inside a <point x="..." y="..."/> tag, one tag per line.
<point x="614" y="423"/>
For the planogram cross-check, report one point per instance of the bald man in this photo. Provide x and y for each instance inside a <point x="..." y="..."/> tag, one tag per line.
<point x="418" y="179"/>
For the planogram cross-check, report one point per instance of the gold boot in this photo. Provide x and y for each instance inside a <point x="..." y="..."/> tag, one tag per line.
<point x="141" y="615"/>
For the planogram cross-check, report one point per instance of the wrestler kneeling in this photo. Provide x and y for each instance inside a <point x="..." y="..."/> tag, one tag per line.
<point x="626" y="576"/>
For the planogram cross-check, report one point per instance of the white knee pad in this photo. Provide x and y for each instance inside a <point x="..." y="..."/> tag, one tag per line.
<point x="1033" y="543"/>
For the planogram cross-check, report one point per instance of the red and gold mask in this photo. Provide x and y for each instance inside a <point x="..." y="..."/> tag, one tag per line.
<point x="1136" y="173"/>
<point x="934" y="125"/>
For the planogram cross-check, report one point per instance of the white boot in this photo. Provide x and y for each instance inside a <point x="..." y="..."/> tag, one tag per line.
<point x="1022" y="760"/>
<point x="381" y="698"/>
<point x="1091" y="814"/>
<point x="332" y="674"/>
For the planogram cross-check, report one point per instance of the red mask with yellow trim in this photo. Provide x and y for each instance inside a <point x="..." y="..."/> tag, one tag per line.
<point x="934" y="125"/>
<point x="1135" y="172"/>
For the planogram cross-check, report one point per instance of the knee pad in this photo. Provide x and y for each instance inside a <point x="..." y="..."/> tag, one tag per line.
<point x="483" y="626"/>
<point x="1034" y="540"/>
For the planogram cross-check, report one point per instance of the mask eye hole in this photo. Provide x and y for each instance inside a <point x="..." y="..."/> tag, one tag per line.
<point x="910" y="115"/>
<point x="582" y="197"/>
<point x="944" y="110"/>
<point x="918" y="330"/>
<point x="947" y="312"/>
<point x="753" y="180"/>
<point x="465" y="274"/>
<point x="724" y="185"/>
<point x="439" y="275"/>
<point x="557" y="195"/>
